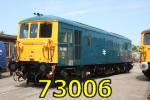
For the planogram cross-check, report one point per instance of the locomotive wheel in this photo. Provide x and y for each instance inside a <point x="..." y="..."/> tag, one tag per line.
<point x="83" y="74"/>
<point x="118" y="70"/>
<point x="127" y="67"/>
<point x="124" y="69"/>
<point x="66" y="76"/>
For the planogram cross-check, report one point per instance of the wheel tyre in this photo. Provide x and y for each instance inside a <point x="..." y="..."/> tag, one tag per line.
<point x="83" y="75"/>
<point x="118" y="70"/>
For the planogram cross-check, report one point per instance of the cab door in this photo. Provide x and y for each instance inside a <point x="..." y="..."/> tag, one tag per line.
<point x="66" y="47"/>
<point x="70" y="51"/>
<point x="77" y="38"/>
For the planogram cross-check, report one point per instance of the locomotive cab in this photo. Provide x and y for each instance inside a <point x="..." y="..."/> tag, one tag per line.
<point x="36" y="49"/>
<point x="145" y="53"/>
<point x="37" y="42"/>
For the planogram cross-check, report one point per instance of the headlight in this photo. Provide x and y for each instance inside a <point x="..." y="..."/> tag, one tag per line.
<point x="144" y="66"/>
<point x="43" y="67"/>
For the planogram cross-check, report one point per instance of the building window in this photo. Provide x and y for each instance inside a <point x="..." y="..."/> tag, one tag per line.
<point x="7" y="49"/>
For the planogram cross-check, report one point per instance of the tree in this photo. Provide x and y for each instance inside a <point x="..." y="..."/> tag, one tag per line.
<point x="135" y="48"/>
<point x="1" y="32"/>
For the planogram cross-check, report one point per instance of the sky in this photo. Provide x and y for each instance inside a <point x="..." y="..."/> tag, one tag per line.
<point x="125" y="17"/>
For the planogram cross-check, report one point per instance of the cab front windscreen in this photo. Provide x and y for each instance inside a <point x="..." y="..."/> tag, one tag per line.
<point x="147" y="39"/>
<point x="42" y="30"/>
<point x="24" y="30"/>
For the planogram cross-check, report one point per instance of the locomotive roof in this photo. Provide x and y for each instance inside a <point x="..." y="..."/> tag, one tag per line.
<point x="50" y="17"/>
<point x="146" y="31"/>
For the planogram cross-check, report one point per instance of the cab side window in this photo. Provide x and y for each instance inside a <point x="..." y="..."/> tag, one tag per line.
<point x="64" y="37"/>
<point x="69" y="37"/>
<point x="147" y="39"/>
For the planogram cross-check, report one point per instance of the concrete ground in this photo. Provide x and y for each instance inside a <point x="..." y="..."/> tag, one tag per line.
<point x="129" y="86"/>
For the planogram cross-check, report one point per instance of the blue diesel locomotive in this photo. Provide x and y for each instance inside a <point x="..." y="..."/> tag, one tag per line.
<point x="2" y="56"/>
<point x="48" y="46"/>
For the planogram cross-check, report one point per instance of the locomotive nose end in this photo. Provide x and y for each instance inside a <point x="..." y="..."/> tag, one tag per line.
<point x="144" y="66"/>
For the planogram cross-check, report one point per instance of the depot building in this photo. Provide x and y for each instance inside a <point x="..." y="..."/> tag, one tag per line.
<point x="9" y="42"/>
